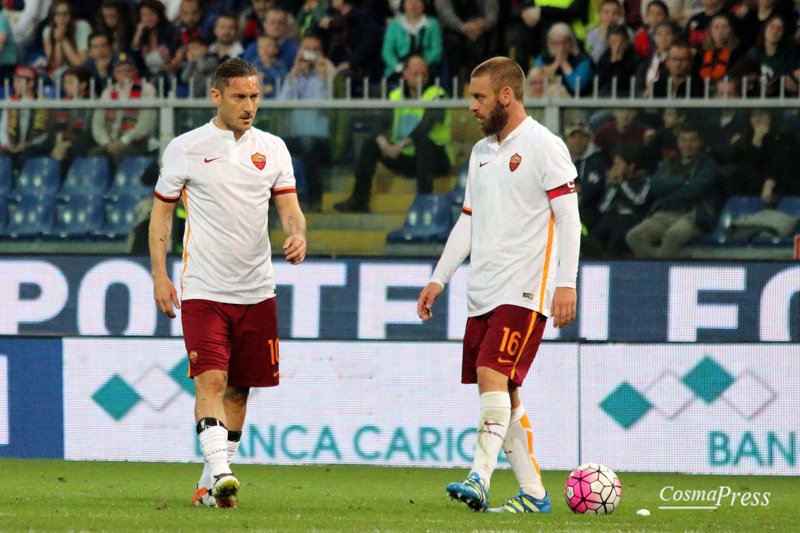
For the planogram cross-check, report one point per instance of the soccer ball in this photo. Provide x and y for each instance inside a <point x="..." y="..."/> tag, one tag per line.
<point x="593" y="488"/>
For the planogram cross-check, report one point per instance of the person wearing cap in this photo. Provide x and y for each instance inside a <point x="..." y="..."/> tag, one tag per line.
<point x="590" y="163"/>
<point x="121" y="133"/>
<point x="23" y="132"/>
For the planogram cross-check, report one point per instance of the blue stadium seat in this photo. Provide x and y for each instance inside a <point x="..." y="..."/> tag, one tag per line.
<point x="429" y="220"/>
<point x="30" y="216"/>
<point x="128" y="178"/>
<point x="300" y="178"/>
<point x="6" y="176"/>
<point x="39" y="176"/>
<point x="120" y="217"/>
<point x="736" y="208"/>
<point x="86" y="176"/>
<point x="3" y="214"/>
<point x="457" y="194"/>
<point x="78" y="216"/>
<point x="791" y="206"/>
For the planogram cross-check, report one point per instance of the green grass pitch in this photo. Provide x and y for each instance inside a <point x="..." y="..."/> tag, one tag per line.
<point x="49" y="495"/>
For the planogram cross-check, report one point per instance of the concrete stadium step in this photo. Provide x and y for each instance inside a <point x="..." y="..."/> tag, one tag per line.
<point x="382" y="203"/>
<point x="335" y="242"/>
<point x="354" y="221"/>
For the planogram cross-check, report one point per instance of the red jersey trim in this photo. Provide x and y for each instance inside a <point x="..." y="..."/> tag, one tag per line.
<point x="168" y="199"/>
<point x="466" y="211"/>
<point x="567" y="188"/>
<point x="283" y="190"/>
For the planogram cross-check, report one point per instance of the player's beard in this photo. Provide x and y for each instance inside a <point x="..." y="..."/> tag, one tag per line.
<point x="496" y="121"/>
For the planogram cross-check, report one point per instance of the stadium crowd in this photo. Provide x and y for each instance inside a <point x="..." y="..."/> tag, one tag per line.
<point x="646" y="177"/>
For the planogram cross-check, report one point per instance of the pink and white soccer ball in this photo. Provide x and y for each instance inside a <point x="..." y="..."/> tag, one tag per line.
<point x="594" y="489"/>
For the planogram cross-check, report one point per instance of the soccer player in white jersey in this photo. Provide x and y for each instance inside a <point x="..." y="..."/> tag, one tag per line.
<point x="226" y="172"/>
<point x="521" y="228"/>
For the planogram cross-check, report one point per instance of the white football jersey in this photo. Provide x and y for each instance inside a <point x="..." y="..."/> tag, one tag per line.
<point x="226" y="186"/>
<point x="514" y="255"/>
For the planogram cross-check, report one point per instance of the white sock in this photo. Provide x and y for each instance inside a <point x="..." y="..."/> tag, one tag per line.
<point x="495" y="414"/>
<point x="213" y="443"/>
<point x="519" y="451"/>
<point x="233" y="447"/>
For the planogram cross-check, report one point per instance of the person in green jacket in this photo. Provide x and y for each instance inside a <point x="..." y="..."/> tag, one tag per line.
<point x="411" y="32"/>
<point x="418" y="145"/>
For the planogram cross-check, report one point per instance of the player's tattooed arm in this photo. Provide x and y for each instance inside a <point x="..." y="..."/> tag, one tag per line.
<point x="164" y="291"/>
<point x="294" y="225"/>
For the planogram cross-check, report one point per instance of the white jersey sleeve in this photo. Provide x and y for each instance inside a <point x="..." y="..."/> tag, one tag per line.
<point x="568" y="222"/>
<point x="556" y="164"/>
<point x="173" y="174"/>
<point x="285" y="182"/>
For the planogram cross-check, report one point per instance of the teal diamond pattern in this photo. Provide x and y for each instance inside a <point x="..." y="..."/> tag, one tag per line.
<point x="708" y="380"/>
<point x="116" y="397"/>
<point x="625" y="405"/>
<point x="180" y="374"/>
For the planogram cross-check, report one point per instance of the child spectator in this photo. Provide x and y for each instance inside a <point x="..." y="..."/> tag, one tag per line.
<point x="198" y="68"/>
<point x="71" y="128"/>
<point x="610" y="15"/>
<point x="273" y="70"/>
<point x="644" y="42"/>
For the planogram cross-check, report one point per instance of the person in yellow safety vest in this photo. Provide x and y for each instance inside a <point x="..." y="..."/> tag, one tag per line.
<point x="418" y="145"/>
<point x="538" y="15"/>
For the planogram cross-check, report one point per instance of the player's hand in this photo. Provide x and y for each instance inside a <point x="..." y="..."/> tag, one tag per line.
<point x="165" y="295"/>
<point x="295" y="249"/>
<point x="426" y="299"/>
<point x="564" y="304"/>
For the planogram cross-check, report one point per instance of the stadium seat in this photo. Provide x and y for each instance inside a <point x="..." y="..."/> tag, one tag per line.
<point x="736" y="208"/>
<point x="86" y="176"/>
<point x="428" y="220"/>
<point x="3" y="214"/>
<point x="790" y="206"/>
<point x="128" y="178"/>
<point x="78" y="216"/>
<point x="120" y="217"/>
<point x="457" y="194"/>
<point x="30" y="216"/>
<point x="39" y="176"/>
<point x="6" y="176"/>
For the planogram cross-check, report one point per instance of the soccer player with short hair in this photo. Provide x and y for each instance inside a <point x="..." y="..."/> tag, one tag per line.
<point x="226" y="172"/>
<point x="521" y="228"/>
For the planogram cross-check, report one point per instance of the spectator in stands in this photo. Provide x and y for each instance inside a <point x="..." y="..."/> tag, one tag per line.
<point x="720" y="50"/>
<point x="623" y="128"/>
<point x="665" y="34"/>
<point x="25" y="18"/>
<point x="542" y="86"/>
<point x="310" y="13"/>
<point x="776" y="55"/>
<point x="662" y="141"/>
<point x="353" y="39"/>
<point x="23" y="132"/>
<point x="308" y="136"/>
<point x="754" y="17"/>
<point x="277" y="25"/>
<point x="466" y="30"/>
<point x="8" y="50"/>
<point x="198" y="68"/>
<point x="622" y="202"/>
<point x="619" y="61"/>
<point x="418" y="145"/>
<point x="156" y="38"/>
<point x="412" y="32"/>
<point x="190" y="17"/>
<point x="124" y="132"/>
<point x="681" y="80"/>
<point x="116" y="21"/>
<point x="252" y="20"/>
<point x="99" y="62"/>
<point x="677" y="11"/>
<point x="564" y="58"/>
<point x="273" y="70"/>
<point x="66" y="40"/>
<point x="591" y="166"/>
<point x="644" y="42"/>
<point x="71" y="134"/>
<point x="596" y="39"/>
<point x="762" y="159"/>
<point x="696" y="28"/>
<point x="536" y="21"/>
<point x="685" y="200"/>
<point x="225" y="45"/>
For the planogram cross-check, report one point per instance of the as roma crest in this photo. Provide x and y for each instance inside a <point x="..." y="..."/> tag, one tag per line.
<point x="259" y="160"/>
<point x="514" y="162"/>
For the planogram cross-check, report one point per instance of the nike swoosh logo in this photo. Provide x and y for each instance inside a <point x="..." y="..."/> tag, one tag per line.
<point x="207" y="160"/>
<point x="484" y="163"/>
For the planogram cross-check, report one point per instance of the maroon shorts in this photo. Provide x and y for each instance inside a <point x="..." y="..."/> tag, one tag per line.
<point x="240" y="339"/>
<point x="505" y="339"/>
